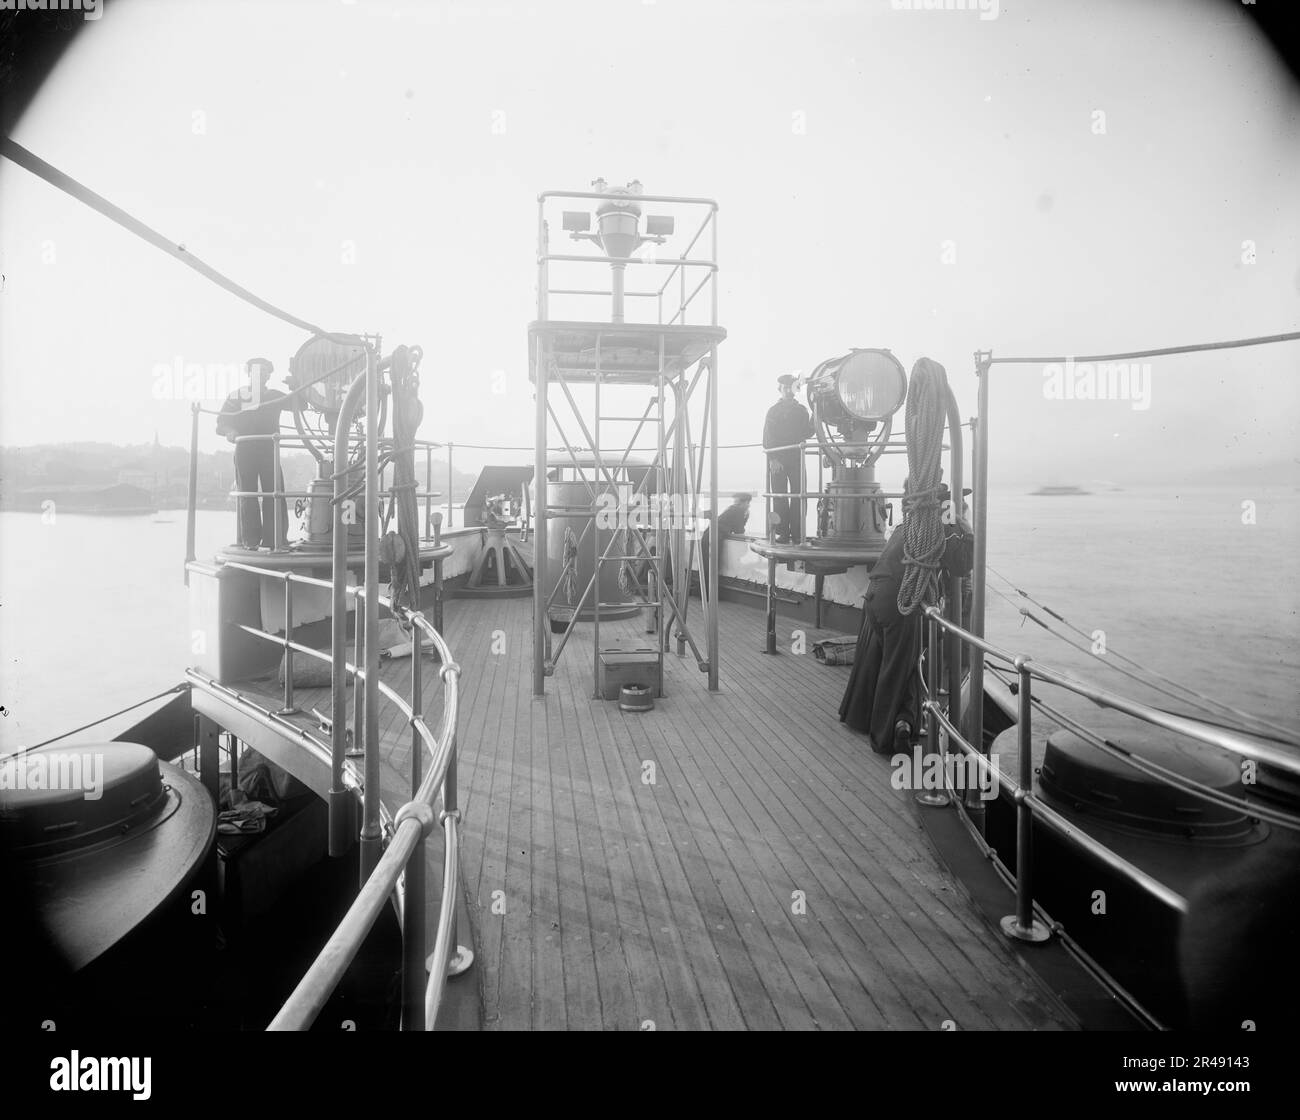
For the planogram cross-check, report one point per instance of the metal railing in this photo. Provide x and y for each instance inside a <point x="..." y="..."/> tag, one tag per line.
<point x="1022" y="925"/>
<point x="402" y="866"/>
<point x="895" y="446"/>
<point x="680" y="263"/>
<point x="292" y="440"/>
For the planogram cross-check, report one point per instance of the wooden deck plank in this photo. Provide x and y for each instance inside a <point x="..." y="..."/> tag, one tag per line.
<point x="741" y="873"/>
<point x="672" y="902"/>
<point x="686" y="1005"/>
<point x="594" y="965"/>
<point x="954" y="974"/>
<point x="770" y="813"/>
<point x="721" y="970"/>
<point x="483" y="865"/>
<point x="641" y="994"/>
<point x="515" y="991"/>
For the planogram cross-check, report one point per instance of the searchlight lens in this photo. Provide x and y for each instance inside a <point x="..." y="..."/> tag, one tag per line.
<point x="871" y="384"/>
<point x="328" y="366"/>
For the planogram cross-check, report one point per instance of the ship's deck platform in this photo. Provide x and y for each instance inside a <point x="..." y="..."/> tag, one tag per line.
<point x="768" y="877"/>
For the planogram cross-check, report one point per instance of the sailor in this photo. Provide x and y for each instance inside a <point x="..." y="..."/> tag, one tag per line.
<point x="882" y="698"/>
<point x="787" y="423"/>
<point x="731" y="523"/>
<point x="254" y="410"/>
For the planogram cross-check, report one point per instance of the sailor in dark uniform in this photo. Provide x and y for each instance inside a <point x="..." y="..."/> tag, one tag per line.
<point x="254" y="410"/>
<point x="882" y="698"/>
<point x="787" y="422"/>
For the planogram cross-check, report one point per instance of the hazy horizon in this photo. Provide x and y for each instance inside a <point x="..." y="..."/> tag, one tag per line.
<point x="380" y="172"/>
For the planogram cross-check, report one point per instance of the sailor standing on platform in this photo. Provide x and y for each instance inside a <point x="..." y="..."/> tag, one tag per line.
<point x="254" y="410"/>
<point x="787" y="422"/>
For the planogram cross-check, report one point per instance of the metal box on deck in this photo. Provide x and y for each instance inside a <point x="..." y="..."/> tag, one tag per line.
<point x="628" y="662"/>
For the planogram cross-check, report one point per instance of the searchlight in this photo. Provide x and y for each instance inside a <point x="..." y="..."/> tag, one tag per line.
<point x="853" y="399"/>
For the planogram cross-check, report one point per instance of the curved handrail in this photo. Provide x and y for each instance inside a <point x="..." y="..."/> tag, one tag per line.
<point x="1022" y="925"/>
<point x="403" y="858"/>
<point x="1210" y="734"/>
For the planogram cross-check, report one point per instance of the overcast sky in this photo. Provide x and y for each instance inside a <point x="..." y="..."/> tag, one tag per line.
<point x="932" y="182"/>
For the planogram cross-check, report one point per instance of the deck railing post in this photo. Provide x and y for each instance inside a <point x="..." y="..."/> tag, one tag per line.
<point x="437" y="574"/>
<point x="979" y="573"/>
<point x="289" y="707"/>
<point x="414" y="923"/>
<point x="461" y="957"/>
<point x="770" y="644"/>
<point x="935" y="798"/>
<point x="541" y="623"/>
<point x="417" y="706"/>
<point x="371" y="833"/>
<point x="450" y="448"/>
<point x="1022" y="925"/>
<point x="715" y="552"/>
<point x="191" y="514"/>
<point x="358" y="690"/>
<point x="277" y="490"/>
<point x="415" y="913"/>
<point x="340" y="800"/>
<point x="428" y="489"/>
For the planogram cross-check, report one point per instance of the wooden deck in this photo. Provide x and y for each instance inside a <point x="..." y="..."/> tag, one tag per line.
<point x="768" y="877"/>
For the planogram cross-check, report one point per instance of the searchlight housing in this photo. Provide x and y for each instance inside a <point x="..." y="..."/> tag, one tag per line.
<point x="857" y="390"/>
<point x="853" y="399"/>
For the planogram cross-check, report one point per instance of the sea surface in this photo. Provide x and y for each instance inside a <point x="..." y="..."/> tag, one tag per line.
<point x="94" y="610"/>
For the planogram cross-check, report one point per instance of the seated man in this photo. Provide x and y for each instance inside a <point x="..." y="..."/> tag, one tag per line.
<point x="731" y="523"/>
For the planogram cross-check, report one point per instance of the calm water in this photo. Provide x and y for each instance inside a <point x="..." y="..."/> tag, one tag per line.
<point x="94" y="611"/>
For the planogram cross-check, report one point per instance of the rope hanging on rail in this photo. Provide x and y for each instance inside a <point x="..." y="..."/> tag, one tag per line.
<point x="404" y="373"/>
<point x="619" y="547"/>
<point x="569" y="577"/>
<point x="923" y="528"/>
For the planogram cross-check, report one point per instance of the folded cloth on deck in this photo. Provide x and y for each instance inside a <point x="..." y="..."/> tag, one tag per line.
<point x="835" y="651"/>
<point x="246" y="817"/>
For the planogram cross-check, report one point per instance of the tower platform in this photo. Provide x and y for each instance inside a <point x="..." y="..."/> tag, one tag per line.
<point x="629" y="353"/>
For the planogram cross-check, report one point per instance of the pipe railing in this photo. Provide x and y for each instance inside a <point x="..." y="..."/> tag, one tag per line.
<point x="297" y="442"/>
<point x="401" y="867"/>
<point x="680" y="262"/>
<point x="294" y="441"/>
<point x="1022" y="925"/>
<point x="812" y="446"/>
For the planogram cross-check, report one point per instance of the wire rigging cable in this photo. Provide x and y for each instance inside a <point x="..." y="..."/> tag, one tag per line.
<point x="1142" y="673"/>
<point x="1191" y="348"/>
<point x="70" y="186"/>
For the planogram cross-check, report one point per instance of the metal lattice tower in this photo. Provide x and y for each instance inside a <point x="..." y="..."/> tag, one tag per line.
<point x="638" y="517"/>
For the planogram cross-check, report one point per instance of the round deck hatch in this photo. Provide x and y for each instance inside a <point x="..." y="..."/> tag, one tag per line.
<point x="1088" y="780"/>
<point x="75" y="797"/>
<point x="105" y="834"/>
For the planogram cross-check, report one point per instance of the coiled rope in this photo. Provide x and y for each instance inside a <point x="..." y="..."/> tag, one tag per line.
<point x="923" y="528"/>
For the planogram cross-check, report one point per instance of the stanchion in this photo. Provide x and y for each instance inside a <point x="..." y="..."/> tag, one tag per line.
<point x="1022" y="925"/>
